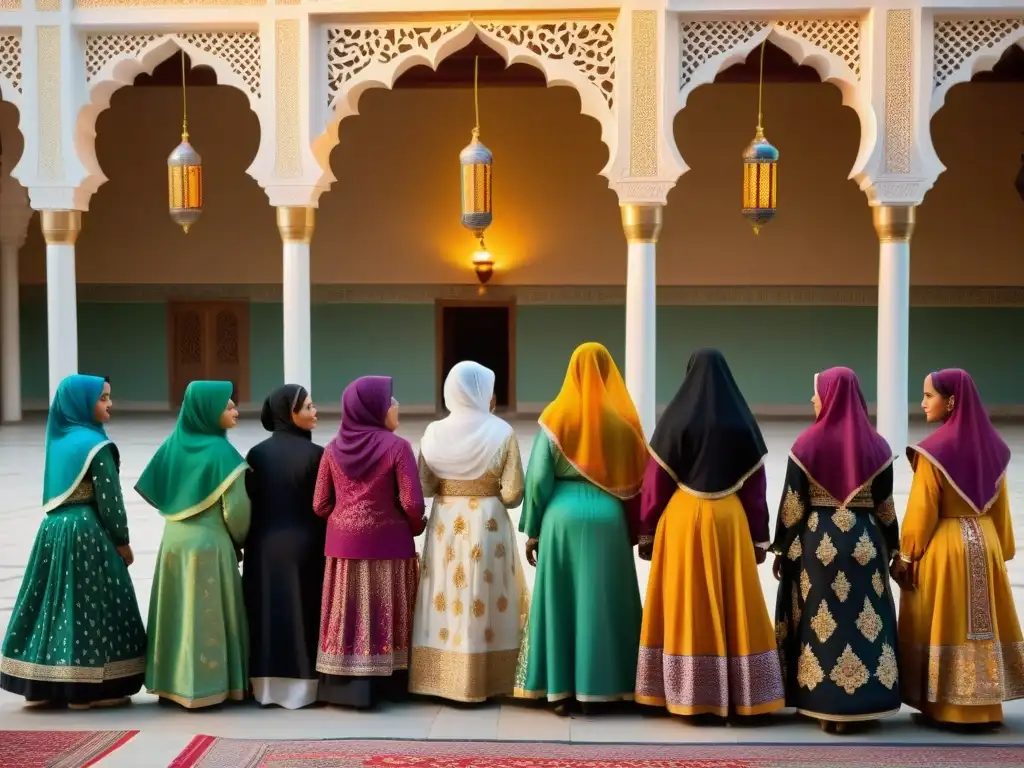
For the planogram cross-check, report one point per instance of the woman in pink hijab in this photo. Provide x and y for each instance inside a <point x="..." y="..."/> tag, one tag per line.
<point x="961" y="650"/>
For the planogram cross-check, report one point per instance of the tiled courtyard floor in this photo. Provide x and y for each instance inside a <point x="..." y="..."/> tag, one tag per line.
<point x="166" y="731"/>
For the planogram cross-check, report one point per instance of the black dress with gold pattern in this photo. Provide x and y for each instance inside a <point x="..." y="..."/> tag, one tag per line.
<point x="835" y="620"/>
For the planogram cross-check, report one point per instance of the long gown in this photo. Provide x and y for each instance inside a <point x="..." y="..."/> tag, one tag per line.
<point x="283" y="572"/>
<point x="583" y="632"/>
<point x="199" y="649"/>
<point x="960" y="645"/>
<point x="707" y="646"/>
<point x="76" y="635"/>
<point x="472" y="601"/>
<point x="835" y="618"/>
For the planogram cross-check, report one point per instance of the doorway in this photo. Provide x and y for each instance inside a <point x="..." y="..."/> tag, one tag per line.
<point x="484" y="332"/>
<point x="208" y="340"/>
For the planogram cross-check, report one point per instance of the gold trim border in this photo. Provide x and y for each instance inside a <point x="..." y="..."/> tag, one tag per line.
<point x="47" y="673"/>
<point x="203" y="505"/>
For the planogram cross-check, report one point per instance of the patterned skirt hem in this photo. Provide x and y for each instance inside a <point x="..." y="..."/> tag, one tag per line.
<point x="47" y="673"/>
<point x="712" y="709"/>
<point x="524" y="693"/>
<point x="198" y="703"/>
<point x="848" y="718"/>
<point x="71" y="692"/>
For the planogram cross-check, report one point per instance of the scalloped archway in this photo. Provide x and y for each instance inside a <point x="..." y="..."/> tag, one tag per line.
<point x="577" y="54"/>
<point x="965" y="47"/>
<point x="830" y="46"/>
<point x="114" y="61"/>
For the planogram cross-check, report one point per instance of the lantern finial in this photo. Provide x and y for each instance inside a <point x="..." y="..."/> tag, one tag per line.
<point x="184" y="172"/>
<point x="760" y="168"/>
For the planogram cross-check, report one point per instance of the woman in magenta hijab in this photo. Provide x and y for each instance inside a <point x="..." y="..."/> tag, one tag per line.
<point x="369" y="490"/>
<point x="835" y="619"/>
<point x="961" y="650"/>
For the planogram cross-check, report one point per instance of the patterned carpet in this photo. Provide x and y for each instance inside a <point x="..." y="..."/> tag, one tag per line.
<point x="58" y="749"/>
<point x="211" y="752"/>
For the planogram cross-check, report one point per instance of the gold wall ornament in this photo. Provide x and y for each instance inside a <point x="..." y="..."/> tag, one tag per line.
<point x="184" y="172"/>
<point x="760" y="168"/>
<point x="476" y="162"/>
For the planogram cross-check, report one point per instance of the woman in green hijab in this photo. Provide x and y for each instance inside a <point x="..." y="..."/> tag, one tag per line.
<point x="76" y="635"/>
<point x="198" y="653"/>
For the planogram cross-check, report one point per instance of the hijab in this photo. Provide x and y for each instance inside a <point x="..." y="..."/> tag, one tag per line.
<point x="594" y="423"/>
<point x="707" y="439"/>
<point x="461" y="446"/>
<point x="841" y="451"/>
<point x="278" y="408"/>
<point x="362" y="438"/>
<point x="73" y="437"/>
<point x="966" y="448"/>
<point x="196" y="464"/>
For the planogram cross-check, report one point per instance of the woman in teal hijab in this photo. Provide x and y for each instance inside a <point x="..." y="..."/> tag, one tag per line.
<point x="76" y="636"/>
<point x="199" y="653"/>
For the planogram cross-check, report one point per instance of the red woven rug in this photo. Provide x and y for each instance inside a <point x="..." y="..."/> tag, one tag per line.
<point x="58" y="749"/>
<point x="211" y="752"/>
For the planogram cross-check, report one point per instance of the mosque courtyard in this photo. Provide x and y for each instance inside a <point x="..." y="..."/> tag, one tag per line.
<point x="164" y="732"/>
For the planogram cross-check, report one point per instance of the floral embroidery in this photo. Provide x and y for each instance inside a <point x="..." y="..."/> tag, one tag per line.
<point x="781" y="632"/>
<point x="888" y="671"/>
<point x="826" y="551"/>
<point x="865" y="550"/>
<point x="443" y="634"/>
<point x="489" y="635"/>
<point x="886" y="512"/>
<point x="459" y="526"/>
<point x="488" y="576"/>
<point x="478" y="608"/>
<point x="459" y="578"/>
<point x="812" y="522"/>
<point x="473" y="503"/>
<point x="792" y="509"/>
<point x="502" y="604"/>
<point x="878" y="583"/>
<point x="844" y="519"/>
<point x="797" y="613"/>
<point x="849" y="673"/>
<point x="841" y="586"/>
<point x="449" y="555"/>
<point x="805" y="585"/>
<point x="439" y="531"/>
<point x="795" y="550"/>
<point x="457" y="607"/>
<point x="476" y="553"/>
<point x="869" y="622"/>
<point x="499" y="549"/>
<point x="808" y="670"/>
<point x="492" y="525"/>
<point x="823" y="623"/>
<point x="440" y="604"/>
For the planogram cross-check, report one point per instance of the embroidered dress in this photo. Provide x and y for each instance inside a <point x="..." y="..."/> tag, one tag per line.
<point x="473" y="600"/>
<point x="835" y="619"/>
<point x="75" y="635"/>
<point x="199" y="637"/>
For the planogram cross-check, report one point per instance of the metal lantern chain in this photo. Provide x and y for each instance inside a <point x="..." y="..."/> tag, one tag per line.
<point x="185" y="172"/>
<point x="760" y="168"/>
<point x="476" y="163"/>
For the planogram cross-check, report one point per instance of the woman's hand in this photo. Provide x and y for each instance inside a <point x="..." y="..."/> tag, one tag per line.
<point x="760" y="555"/>
<point x="646" y="548"/>
<point x="777" y="568"/>
<point x="901" y="573"/>
<point x="126" y="554"/>
<point x="531" y="552"/>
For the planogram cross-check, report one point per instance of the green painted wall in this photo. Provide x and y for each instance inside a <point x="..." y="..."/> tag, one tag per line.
<point x="774" y="351"/>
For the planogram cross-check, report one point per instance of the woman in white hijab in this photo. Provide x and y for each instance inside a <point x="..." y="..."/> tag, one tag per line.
<point x="472" y="601"/>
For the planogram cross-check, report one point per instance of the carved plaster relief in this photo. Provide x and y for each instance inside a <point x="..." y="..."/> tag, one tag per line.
<point x="10" y="61"/>
<point x="48" y="65"/>
<point x="288" y="154"/>
<point x="957" y="40"/>
<point x="643" y="133"/>
<point x="239" y="50"/>
<point x="899" y="90"/>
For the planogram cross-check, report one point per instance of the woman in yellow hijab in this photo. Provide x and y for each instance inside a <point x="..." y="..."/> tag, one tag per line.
<point x="581" y="515"/>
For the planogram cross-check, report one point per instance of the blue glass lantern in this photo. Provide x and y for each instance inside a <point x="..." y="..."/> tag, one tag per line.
<point x="760" y="180"/>
<point x="476" y="161"/>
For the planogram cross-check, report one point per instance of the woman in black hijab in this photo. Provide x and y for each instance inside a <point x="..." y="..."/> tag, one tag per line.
<point x="707" y="643"/>
<point x="283" y="575"/>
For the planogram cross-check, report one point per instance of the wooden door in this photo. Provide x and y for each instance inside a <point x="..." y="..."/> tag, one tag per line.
<point x="209" y="340"/>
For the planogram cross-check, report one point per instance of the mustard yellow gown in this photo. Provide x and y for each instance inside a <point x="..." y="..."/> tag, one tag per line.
<point x="961" y="649"/>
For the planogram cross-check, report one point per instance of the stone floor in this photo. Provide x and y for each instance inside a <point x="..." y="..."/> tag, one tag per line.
<point x="164" y="732"/>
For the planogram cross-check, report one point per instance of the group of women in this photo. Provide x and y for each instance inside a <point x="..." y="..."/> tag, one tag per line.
<point x="335" y="605"/>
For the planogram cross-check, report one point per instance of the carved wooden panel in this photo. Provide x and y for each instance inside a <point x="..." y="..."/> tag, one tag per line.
<point x="208" y="340"/>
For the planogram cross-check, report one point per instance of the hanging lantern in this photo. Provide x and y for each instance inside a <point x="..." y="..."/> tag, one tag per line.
<point x="476" y="162"/>
<point x="760" y="168"/>
<point x="184" y="172"/>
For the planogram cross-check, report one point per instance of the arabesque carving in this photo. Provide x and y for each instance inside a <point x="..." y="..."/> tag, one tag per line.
<point x="957" y="40"/>
<point x="10" y="60"/>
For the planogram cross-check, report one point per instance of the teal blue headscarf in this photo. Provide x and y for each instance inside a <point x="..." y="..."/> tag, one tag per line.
<point x="196" y="464"/>
<point x="73" y="437"/>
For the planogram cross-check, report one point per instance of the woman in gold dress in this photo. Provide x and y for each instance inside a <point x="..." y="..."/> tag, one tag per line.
<point x="961" y="650"/>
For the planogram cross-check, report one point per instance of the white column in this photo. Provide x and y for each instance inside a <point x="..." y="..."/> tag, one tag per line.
<point x="10" y="341"/>
<point x="894" y="225"/>
<point x="641" y="225"/>
<point x="296" y="225"/>
<point x="60" y="230"/>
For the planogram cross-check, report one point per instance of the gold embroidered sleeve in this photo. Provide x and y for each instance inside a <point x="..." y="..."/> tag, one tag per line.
<point x="428" y="479"/>
<point x="512" y="481"/>
<point x="886" y="512"/>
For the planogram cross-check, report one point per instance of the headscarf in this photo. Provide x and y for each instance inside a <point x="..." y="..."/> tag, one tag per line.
<point x="196" y="464"/>
<point x="841" y="451"/>
<point x="73" y="437"/>
<point x="362" y="438"/>
<point x="278" y="408"/>
<point x="461" y="446"/>
<point x="707" y="439"/>
<point x="593" y="422"/>
<point x="966" y="448"/>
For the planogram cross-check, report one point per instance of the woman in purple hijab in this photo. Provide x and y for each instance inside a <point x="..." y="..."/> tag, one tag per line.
<point x="961" y="650"/>
<point x="368" y="488"/>
<point x="835" y="618"/>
